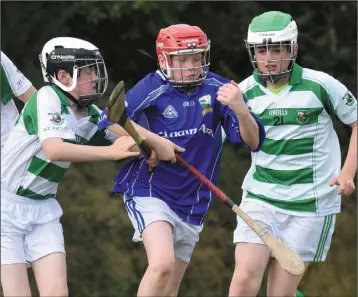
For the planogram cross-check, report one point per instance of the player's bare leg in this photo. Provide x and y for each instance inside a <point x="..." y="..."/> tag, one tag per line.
<point x="158" y="242"/>
<point x="51" y="275"/>
<point x="175" y="279"/>
<point x="280" y="283"/>
<point x="251" y="260"/>
<point x="14" y="280"/>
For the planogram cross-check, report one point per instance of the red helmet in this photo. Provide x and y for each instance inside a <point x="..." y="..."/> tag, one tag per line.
<point x="183" y="39"/>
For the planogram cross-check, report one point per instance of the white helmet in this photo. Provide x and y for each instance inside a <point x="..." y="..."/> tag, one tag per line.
<point x="72" y="54"/>
<point x="272" y="28"/>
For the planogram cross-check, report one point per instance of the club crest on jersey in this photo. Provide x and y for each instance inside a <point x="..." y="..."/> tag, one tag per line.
<point x="205" y="103"/>
<point x="348" y="97"/>
<point x="56" y="118"/>
<point x="170" y="113"/>
<point x="302" y="116"/>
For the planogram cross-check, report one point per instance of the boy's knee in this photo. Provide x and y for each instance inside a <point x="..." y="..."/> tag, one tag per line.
<point x="245" y="282"/>
<point x="161" y="270"/>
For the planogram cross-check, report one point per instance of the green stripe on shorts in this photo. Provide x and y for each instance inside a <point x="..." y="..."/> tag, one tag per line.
<point x="323" y="238"/>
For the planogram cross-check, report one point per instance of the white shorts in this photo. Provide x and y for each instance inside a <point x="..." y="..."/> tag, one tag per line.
<point x="143" y="211"/>
<point x="30" y="229"/>
<point x="310" y="237"/>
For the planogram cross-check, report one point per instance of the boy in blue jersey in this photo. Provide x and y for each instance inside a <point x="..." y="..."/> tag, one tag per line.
<point x="189" y="105"/>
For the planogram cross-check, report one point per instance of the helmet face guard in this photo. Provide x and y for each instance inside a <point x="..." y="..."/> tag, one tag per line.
<point x="168" y="54"/>
<point x="101" y="79"/>
<point x="74" y="61"/>
<point x="181" y="40"/>
<point x="276" y="76"/>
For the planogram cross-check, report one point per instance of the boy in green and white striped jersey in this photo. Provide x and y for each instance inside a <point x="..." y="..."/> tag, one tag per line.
<point x="295" y="183"/>
<point x="37" y="154"/>
<point x="57" y="126"/>
<point x="13" y="84"/>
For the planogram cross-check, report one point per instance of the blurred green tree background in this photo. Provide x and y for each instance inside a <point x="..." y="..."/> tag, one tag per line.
<point x="102" y="260"/>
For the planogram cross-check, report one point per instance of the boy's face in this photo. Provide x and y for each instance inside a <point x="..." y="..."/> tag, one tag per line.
<point x="184" y="68"/>
<point x="87" y="81"/>
<point x="272" y="59"/>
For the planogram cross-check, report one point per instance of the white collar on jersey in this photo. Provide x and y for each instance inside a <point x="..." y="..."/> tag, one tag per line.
<point x="161" y="75"/>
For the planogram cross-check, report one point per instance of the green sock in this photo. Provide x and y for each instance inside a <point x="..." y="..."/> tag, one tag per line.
<point x="299" y="294"/>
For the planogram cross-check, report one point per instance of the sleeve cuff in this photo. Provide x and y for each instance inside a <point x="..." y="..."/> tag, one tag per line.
<point x="103" y="120"/>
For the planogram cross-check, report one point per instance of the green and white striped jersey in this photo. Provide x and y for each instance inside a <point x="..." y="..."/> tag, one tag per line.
<point x="13" y="84"/>
<point x="301" y="152"/>
<point x="25" y="169"/>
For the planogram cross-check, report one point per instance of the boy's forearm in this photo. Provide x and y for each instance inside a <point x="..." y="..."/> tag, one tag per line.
<point x="117" y="129"/>
<point x="249" y="130"/>
<point x="63" y="151"/>
<point x="350" y="164"/>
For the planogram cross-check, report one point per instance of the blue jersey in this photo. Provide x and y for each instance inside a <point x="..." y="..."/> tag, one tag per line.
<point x="192" y="121"/>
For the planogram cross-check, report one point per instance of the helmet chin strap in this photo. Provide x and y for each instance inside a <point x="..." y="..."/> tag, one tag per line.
<point x="66" y="89"/>
<point x="276" y="78"/>
<point x="74" y="81"/>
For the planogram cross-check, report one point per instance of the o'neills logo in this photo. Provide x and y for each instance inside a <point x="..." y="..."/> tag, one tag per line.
<point x="62" y="57"/>
<point x="189" y="40"/>
<point x="267" y="34"/>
